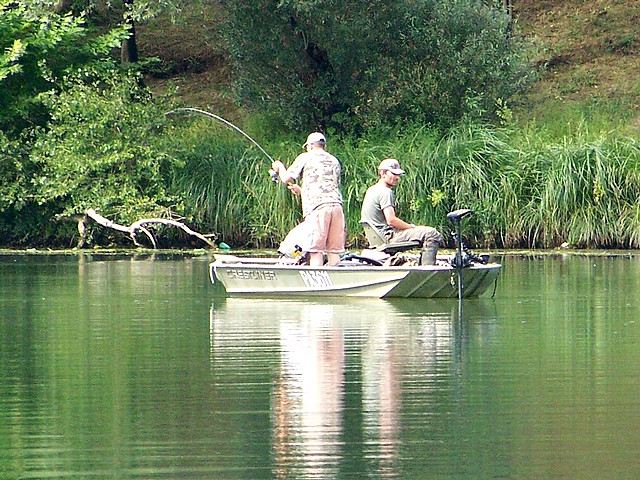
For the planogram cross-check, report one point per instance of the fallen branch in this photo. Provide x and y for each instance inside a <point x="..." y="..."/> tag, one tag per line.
<point x="133" y="229"/>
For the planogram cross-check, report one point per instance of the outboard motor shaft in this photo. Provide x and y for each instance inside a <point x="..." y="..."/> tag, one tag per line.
<point x="456" y="216"/>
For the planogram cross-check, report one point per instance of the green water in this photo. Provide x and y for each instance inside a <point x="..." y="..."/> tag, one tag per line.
<point x="118" y="367"/>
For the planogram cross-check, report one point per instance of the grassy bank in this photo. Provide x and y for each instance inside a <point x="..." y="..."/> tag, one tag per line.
<point x="563" y="171"/>
<point x="560" y="169"/>
<point x="527" y="188"/>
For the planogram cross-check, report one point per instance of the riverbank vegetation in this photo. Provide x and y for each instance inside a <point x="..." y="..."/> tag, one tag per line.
<point x="84" y="132"/>
<point x="526" y="191"/>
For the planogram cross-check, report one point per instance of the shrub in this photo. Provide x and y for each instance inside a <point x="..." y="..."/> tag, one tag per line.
<point x="102" y="150"/>
<point x="39" y="49"/>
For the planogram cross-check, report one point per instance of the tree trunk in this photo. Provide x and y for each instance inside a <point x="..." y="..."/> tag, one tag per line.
<point x="129" y="48"/>
<point x="62" y="6"/>
<point x="508" y="7"/>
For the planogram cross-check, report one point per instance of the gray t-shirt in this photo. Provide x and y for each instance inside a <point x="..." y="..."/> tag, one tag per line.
<point x="320" y="179"/>
<point x="377" y="198"/>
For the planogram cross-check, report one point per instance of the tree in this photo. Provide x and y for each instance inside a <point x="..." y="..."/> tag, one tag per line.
<point x="102" y="150"/>
<point x="125" y="13"/>
<point x="67" y="114"/>
<point x="62" y="6"/>
<point x="41" y="49"/>
<point x="129" y="49"/>
<point x="363" y="63"/>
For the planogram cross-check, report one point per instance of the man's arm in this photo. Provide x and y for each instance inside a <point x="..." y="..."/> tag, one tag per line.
<point x="395" y="222"/>
<point x="282" y="172"/>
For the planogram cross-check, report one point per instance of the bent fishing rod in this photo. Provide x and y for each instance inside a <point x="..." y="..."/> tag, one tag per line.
<point x="226" y="122"/>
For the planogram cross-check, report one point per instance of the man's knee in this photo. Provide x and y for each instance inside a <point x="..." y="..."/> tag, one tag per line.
<point x="431" y="235"/>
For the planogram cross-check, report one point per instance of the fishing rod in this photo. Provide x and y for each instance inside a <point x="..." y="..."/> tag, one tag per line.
<point x="219" y="118"/>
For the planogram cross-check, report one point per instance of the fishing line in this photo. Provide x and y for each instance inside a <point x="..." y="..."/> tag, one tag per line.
<point x="226" y="122"/>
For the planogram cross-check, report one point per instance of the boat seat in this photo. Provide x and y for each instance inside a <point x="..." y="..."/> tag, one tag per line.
<point x="377" y="241"/>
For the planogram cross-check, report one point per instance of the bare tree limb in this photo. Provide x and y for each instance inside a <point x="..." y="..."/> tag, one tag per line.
<point x="133" y="229"/>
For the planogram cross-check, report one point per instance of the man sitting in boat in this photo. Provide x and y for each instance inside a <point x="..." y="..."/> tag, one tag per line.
<point x="378" y="209"/>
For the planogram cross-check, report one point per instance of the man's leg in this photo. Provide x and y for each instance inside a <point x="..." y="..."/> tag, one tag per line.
<point x="317" y="236"/>
<point x="316" y="259"/>
<point x="428" y="236"/>
<point x="336" y="234"/>
<point x="333" y="258"/>
<point x="419" y="233"/>
<point x="429" y="252"/>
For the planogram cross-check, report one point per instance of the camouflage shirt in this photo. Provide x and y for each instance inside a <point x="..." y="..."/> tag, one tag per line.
<point x="320" y="179"/>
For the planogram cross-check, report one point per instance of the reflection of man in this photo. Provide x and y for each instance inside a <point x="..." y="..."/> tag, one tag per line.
<point x="309" y="397"/>
<point x="378" y="208"/>
<point x="381" y="397"/>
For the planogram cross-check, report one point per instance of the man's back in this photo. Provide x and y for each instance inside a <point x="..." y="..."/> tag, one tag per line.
<point x="321" y="179"/>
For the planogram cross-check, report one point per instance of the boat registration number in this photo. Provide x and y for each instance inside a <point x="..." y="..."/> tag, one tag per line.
<point x="316" y="279"/>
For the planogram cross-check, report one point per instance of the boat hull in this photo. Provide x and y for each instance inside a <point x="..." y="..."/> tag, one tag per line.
<point x="265" y="277"/>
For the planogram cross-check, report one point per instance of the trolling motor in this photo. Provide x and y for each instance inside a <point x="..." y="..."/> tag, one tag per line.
<point x="456" y="217"/>
<point x="463" y="256"/>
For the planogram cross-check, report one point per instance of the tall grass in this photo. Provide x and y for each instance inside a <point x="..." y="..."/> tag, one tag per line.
<point x="591" y="193"/>
<point x="527" y="189"/>
<point x="554" y="120"/>
<point x="228" y="190"/>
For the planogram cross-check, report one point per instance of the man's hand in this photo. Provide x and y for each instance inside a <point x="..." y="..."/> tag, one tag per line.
<point x="281" y="170"/>
<point x="277" y="165"/>
<point x="295" y="188"/>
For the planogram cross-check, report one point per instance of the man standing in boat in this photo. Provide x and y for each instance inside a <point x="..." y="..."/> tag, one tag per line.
<point x="378" y="208"/>
<point x="321" y="198"/>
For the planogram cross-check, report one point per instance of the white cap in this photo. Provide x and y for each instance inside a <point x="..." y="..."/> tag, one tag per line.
<point x="315" y="137"/>
<point x="392" y="165"/>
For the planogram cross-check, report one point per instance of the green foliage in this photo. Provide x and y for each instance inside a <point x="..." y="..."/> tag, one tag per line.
<point x="588" y="119"/>
<point x="102" y="150"/>
<point x="579" y="191"/>
<point x="112" y="149"/>
<point x="524" y="191"/>
<point x="75" y="132"/>
<point x="40" y="49"/>
<point x="361" y="64"/>
<point x="12" y="172"/>
<point x="138" y="10"/>
<point x="591" y="193"/>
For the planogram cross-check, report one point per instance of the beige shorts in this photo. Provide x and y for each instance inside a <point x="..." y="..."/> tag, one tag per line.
<point x="327" y="229"/>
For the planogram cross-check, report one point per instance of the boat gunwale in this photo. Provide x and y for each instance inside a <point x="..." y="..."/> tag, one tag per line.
<point x="277" y="264"/>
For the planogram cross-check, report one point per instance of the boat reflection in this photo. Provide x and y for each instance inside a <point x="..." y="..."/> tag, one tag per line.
<point x="335" y="359"/>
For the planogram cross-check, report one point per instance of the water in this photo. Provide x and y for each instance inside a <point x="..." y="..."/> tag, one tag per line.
<point x="119" y="366"/>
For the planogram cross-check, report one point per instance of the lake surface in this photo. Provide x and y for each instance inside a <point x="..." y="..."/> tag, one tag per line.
<point x="119" y="367"/>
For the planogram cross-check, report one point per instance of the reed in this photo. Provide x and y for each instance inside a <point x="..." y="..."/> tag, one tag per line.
<point x="527" y="188"/>
<point x="227" y="188"/>
<point x="590" y="194"/>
